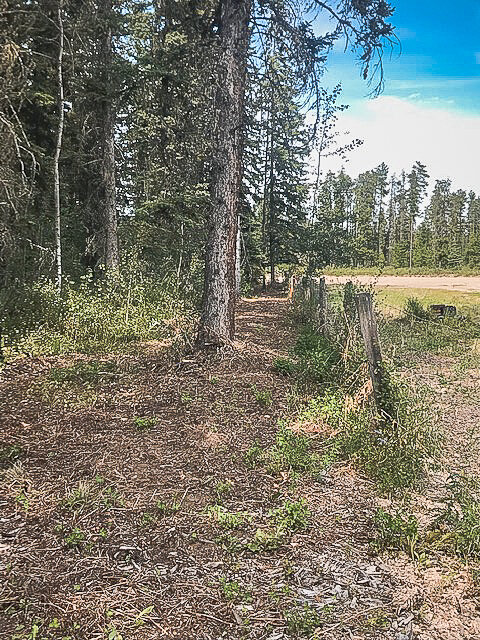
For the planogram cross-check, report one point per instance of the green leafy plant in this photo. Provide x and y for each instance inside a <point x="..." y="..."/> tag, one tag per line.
<point x="223" y="489"/>
<point x="265" y="540"/>
<point x="290" y="451"/>
<point x="459" y="518"/>
<point x="284" y="366"/>
<point x="9" y="454"/>
<point x="233" y="591"/>
<point x="305" y="620"/>
<point x="264" y="397"/>
<point x="167" y="508"/>
<point x="227" y="519"/>
<point x="291" y="516"/>
<point x="253" y="456"/>
<point x="414" y="309"/>
<point x="75" y="538"/>
<point x="398" y="531"/>
<point x="145" y="423"/>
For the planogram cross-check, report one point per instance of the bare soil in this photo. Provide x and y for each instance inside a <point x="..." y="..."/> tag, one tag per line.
<point x="147" y="572"/>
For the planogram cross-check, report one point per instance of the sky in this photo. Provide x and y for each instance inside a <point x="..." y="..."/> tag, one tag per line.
<point x="429" y="109"/>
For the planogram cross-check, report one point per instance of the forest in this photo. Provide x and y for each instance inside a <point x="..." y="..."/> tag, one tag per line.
<point x="211" y="428"/>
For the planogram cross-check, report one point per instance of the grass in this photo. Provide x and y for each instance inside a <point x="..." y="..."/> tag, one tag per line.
<point x="459" y="519"/>
<point x="396" y="531"/>
<point x="94" y="316"/>
<point x="393" y="299"/>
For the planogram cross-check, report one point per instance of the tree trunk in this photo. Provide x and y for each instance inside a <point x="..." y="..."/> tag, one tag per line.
<point x="217" y="324"/>
<point x="238" y="262"/>
<point x="107" y="141"/>
<point x="58" y="147"/>
<point x="271" y="214"/>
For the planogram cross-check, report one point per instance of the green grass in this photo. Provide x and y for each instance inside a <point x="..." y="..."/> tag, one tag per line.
<point x="393" y="299"/>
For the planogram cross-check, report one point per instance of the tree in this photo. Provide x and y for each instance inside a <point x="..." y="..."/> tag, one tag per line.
<point x="417" y="186"/>
<point x="58" y="146"/>
<point x="108" y="211"/>
<point x="217" y="324"/>
<point x="364" y="22"/>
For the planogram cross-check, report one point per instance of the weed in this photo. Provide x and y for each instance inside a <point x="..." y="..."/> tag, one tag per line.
<point x="9" y="454"/>
<point x="227" y="519"/>
<point x="265" y="540"/>
<point x="223" y="489"/>
<point x="144" y="423"/>
<point x="110" y="498"/>
<point x="84" y="372"/>
<point x="140" y="619"/>
<point x="292" y="516"/>
<point x="233" y="591"/>
<point x="263" y="398"/>
<point x="148" y="518"/>
<point x="230" y="543"/>
<point x="22" y="499"/>
<point x="88" y="493"/>
<point x="167" y="508"/>
<point x="460" y="516"/>
<point x="413" y="309"/>
<point x="75" y="538"/>
<point x="379" y="621"/>
<point x="284" y="366"/>
<point x="396" y="532"/>
<point x="394" y="450"/>
<point x="253" y="455"/>
<point x="94" y="316"/>
<point x="78" y="497"/>
<point x="277" y="595"/>
<point x="290" y="451"/>
<point x="319" y="360"/>
<point x="305" y="620"/>
<point x="112" y="633"/>
<point x="186" y="398"/>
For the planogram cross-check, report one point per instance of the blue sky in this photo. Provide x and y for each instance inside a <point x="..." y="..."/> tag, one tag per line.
<point x="432" y="81"/>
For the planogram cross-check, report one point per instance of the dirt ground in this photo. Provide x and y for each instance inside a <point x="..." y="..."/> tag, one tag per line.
<point x="466" y="284"/>
<point x="86" y="553"/>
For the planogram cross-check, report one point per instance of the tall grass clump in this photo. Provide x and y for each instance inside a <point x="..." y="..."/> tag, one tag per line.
<point x="94" y="316"/>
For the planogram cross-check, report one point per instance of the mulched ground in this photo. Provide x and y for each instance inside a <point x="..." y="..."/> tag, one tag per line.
<point x="87" y="552"/>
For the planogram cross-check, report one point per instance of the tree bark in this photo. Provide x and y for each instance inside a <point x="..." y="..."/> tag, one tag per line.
<point x="217" y="323"/>
<point x="58" y="147"/>
<point x="107" y="141"/>
<point x="238" y="261"/>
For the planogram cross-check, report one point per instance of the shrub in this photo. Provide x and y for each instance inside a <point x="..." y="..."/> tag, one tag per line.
<point x="414" y="309"/>
<point x="94" y="316"/>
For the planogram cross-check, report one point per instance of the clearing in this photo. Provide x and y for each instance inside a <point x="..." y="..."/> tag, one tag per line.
<point x="131" y="506"/>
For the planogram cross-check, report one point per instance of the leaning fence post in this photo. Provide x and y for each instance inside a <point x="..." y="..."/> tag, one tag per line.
<point x="291" y="286"/>
<point x="369" y="330"/>
<point x="322" y="305"/>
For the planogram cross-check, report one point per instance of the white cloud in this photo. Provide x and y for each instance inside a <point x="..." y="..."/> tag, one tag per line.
<point x="400" y="132"/>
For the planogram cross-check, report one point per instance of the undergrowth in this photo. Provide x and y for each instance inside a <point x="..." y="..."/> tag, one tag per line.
<point x="394" y="443"/>
<point x="93" y="316"/>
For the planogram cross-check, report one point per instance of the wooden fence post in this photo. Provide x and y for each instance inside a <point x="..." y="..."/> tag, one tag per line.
<point x="369" y="330"/>
<point x="322" y="305"/>
<point x="291" y="286"/>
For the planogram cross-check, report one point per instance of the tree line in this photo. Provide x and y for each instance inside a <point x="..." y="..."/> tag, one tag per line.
<point x="171" y="133"/>
<point x="379" y="219"/>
